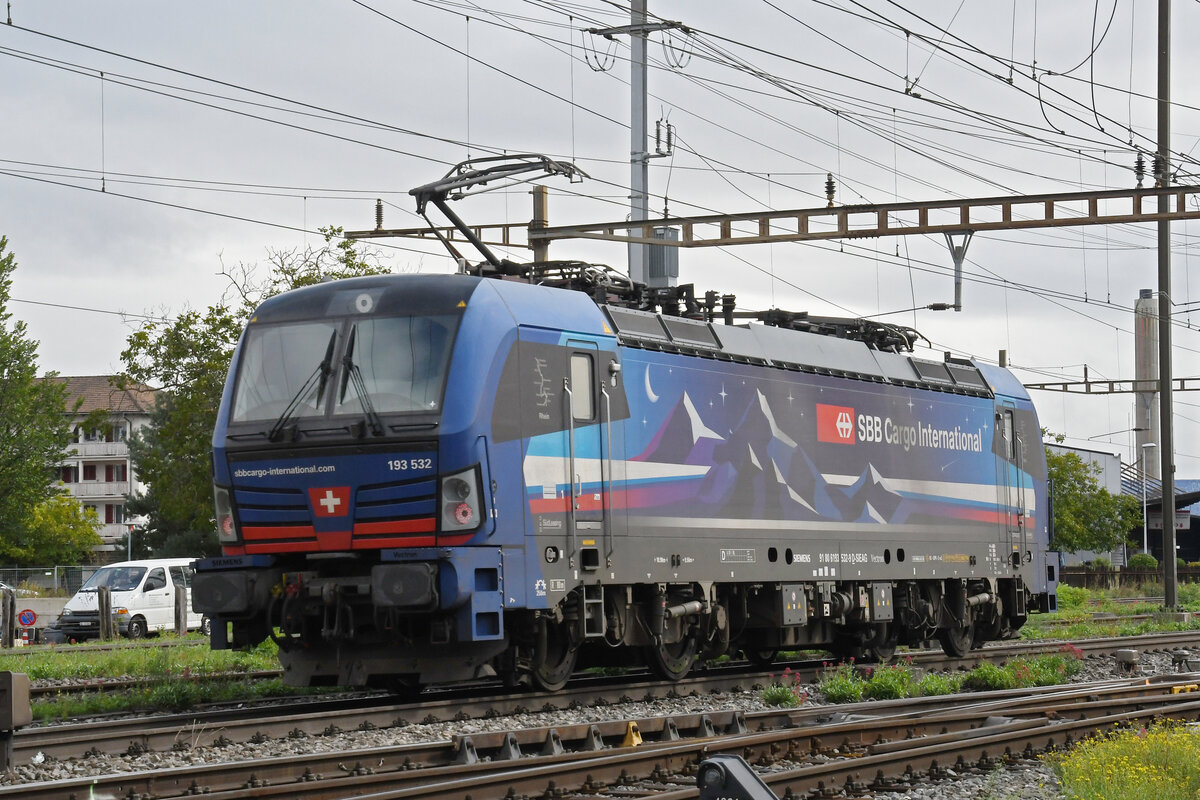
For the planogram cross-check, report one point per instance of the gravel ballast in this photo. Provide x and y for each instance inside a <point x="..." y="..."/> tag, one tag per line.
<point x="1023" y="780"/>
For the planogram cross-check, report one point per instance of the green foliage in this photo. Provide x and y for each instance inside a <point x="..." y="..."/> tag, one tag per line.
<point x="889" y="683"/>
<point x="1086" y="515"/>
<point x="786" y="692"/>
<point x="988" y="677"/>
<point x="841" y="685"/>
<point x="1070" y="597"/>
<point x="1159" y="762"/>
<point x="1189" y="596"/>
<point x="935" y="684"/>
<point x="1022" y="673"/>
<point x="62" y="532"/>
<point x="33" y="429"/>
<point x="188" y="357"/>
<point x="844" y="684"/>
<point x="1143" y="561"/>
<point x="1179" y="563"/>
<point x="1046" y="669"/>
<point x="137" y="660"/>
<point x="166" y="695"/>
<point x="1099" y="564"/>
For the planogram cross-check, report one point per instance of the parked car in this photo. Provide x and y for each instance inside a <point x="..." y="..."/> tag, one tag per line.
<point x="143" y="599"/>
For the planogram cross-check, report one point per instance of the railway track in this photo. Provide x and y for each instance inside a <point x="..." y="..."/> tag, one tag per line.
<point x="932" y="659"/>
<point x="245" y="722"/>
<point x="806" y="752"/>
<point x="227" y="728"/>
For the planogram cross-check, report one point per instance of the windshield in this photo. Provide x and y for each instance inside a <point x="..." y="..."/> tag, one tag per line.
<point x="118" y="579"/>
<point x="276" y="365"/>
<point x="402" y="362"/>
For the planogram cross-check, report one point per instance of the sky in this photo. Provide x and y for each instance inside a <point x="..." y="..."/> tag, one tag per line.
<point x="149" y="149"/>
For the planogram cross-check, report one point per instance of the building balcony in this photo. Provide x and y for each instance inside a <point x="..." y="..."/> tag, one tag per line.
<point x="101" y="449"/>
<point x="94" y="489"/>
<point x="112" y="532"/>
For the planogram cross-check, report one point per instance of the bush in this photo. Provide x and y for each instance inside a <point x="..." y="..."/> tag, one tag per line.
<point x="936" y="684"/>
<point x="1099" y="564"/>
<point x="1189" y="596"/>
<point x="988" y="677"/>
<point x="1158" y="761"/>
<point x="1180" y="563"/>
<point x="889" y="683"/>
<point x="1072" y="597"/>
<point x="842" y="685"/>
<point x="785" y="692"/>
<point x="1143" y="561"/>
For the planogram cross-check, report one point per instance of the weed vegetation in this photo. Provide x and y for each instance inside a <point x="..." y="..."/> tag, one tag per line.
<point x="845" y="683"/>
<point x="137" y="660"/>
<point x="1078" y="608"/>
<point x="785" y="692"/>
<point x="176" y="677"/>
<point x="1160" y="762"/>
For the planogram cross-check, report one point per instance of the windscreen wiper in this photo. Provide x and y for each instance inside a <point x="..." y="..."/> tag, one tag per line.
<point x="350" y="371"/>
<point x="319" y="378"/>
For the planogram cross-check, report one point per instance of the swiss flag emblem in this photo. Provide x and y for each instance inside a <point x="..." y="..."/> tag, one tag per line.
<point x="330" y="502"/>
<point x="835" y="424"/>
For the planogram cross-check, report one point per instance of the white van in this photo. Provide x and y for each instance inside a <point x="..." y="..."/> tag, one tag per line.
<point x="143" y="599"/>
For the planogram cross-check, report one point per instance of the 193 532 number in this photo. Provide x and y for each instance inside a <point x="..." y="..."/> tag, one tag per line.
<point x="399" y="464"/>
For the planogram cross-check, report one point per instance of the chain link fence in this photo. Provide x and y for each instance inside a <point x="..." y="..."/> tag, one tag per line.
<point x="61" y="581"/>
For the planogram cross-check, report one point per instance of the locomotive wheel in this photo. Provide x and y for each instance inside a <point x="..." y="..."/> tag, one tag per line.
<point x="761" y="657"/>
<point x="956" y="642"/>
<point x="557" y="661"/>
<point x="672" y="661"/>
<point x="880" y="654"/>
<point x="881" y="647"/>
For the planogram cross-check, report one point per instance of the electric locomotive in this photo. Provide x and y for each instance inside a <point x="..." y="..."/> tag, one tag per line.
<point x="431" y="478"/>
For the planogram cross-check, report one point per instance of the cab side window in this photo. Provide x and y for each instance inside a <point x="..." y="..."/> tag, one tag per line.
<point x="157" y="579"/>
<point x="582" y="407"/>
<point x="180" y="575"/>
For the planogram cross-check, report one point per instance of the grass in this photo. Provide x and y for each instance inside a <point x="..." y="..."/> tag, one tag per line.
<point x="1074" y="619"/>
<point x="178" y="678"/>
<point x="76" y="662"/>
<point x="166" y="695"/>
<point x="845" y="684"/>
<point x="1160" y="762"/>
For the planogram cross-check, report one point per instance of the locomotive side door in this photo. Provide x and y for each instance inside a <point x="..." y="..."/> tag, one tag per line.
<point x="1011" y="484"/>
<point x="588" y="462"/>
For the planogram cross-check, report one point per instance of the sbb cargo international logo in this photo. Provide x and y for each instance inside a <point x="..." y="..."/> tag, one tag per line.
<point x="835" y="424"/>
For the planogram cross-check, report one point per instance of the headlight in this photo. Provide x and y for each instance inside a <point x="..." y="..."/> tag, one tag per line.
<point x="227" y="532"/>
<point x="66" y="612"/>
<point x="461" y="501"/>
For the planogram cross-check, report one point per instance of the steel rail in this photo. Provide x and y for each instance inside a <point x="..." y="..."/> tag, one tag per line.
<point x="501" y="760"/>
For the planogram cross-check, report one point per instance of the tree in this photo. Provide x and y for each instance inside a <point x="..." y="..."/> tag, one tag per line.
<point x="62" y="532"/>
<point x="33" y="430"/>
<point x="188" y="357"/>
<point x="1086" y="515"/>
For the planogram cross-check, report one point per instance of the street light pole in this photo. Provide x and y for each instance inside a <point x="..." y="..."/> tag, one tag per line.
<point x="1145" y="521"/>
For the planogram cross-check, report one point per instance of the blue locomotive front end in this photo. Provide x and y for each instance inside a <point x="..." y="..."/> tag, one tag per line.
<point x="350" y="484"/>
<point x="358" y="493"/>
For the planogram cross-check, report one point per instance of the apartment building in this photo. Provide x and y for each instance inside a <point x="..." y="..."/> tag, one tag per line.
<point x="98" y="472"/>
